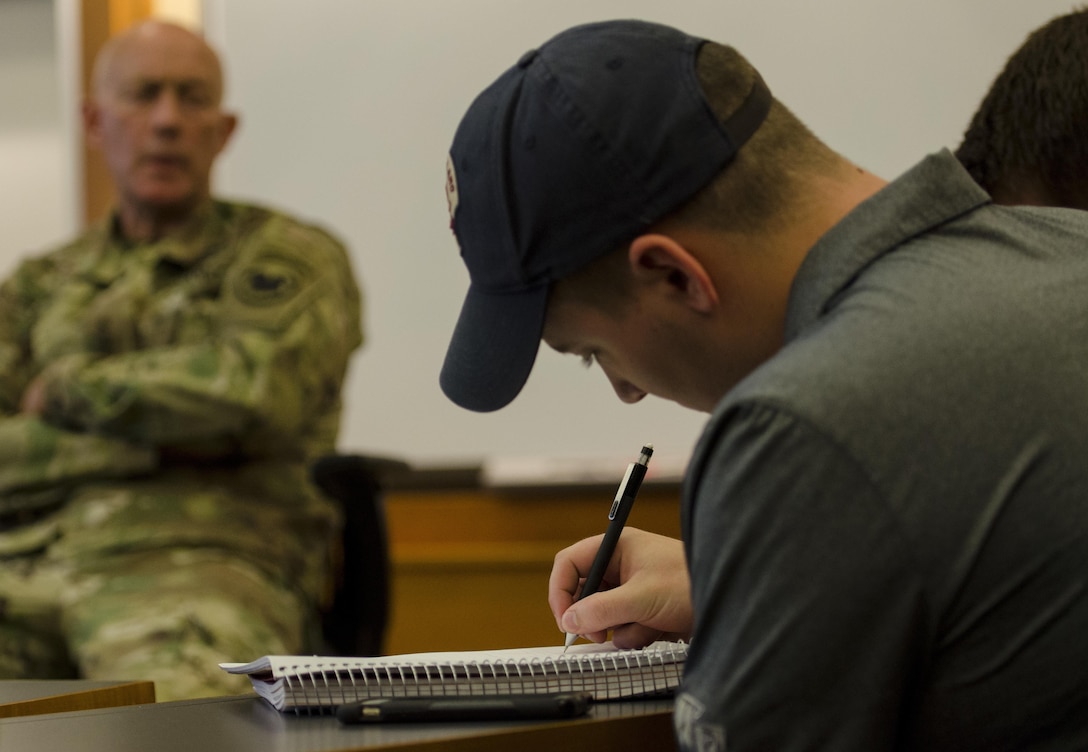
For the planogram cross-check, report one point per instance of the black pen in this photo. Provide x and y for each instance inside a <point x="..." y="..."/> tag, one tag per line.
<point x="617" y="516"/>
<point x="465" y="708"/>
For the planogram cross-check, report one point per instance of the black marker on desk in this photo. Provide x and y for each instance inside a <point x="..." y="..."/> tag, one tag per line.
<point x="617" y="516"/>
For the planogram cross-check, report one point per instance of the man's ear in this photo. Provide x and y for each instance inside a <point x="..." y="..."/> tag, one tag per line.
<point x="91" y="117"/>
<point x="659" y="259"/>
<point x="228" y="123"/>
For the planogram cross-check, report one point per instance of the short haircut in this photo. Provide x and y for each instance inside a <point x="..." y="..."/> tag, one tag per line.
<point x="750" y="194"/>
<point x="1028" y="141"/>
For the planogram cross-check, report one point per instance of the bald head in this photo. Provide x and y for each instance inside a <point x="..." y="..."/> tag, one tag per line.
<point x="149" y="39"/>
<point x="155" y="113"/>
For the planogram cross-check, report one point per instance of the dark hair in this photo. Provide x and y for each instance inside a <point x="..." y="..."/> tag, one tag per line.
<point x="1028" y="141"/>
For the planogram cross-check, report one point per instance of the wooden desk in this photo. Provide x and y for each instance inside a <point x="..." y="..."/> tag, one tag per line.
<point x="470" y="566"/>
<point x="29" y="697"/>
<point x="247" y="724"/>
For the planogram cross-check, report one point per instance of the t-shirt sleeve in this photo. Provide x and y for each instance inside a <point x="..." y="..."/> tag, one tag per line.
<point x="809" y="610"/>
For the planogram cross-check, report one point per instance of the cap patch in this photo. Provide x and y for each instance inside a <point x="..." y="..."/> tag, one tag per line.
<point x="452" y="196"/>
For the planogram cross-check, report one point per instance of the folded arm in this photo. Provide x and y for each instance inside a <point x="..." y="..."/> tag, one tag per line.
<point x="261" y="360"/>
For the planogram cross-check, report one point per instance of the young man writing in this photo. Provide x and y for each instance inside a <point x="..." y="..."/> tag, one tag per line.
<point x="884" y="525"/>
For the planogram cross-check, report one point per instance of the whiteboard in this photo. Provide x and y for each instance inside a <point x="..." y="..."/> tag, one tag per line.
<point x="348" y="108"/>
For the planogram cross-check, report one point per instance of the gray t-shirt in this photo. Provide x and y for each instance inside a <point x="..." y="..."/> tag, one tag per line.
<point x="887" y="523"/>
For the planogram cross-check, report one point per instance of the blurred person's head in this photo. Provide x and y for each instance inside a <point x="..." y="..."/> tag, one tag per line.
<point x="155" y="112"/>
<point x="1028" y="141"/>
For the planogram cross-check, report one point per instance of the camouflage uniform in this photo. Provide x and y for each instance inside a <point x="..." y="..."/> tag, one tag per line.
<point x="157" y="519"/>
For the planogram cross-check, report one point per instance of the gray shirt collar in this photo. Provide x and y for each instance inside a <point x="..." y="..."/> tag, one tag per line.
<point x="933" y="192"/>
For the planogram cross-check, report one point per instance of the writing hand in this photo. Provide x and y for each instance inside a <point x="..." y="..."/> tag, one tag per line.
<point x="645" y="596"/>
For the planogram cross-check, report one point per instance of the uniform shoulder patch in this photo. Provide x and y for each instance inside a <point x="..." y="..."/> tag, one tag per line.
<point x="269" y="280"/>
<point x="269" y="287"/>
<point x="282" y="269"/>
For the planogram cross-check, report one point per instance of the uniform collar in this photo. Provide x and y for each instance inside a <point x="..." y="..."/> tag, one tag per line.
<point x="933" y="192"/>
<point x="186" y="245"/>
<point x="109" y="252"/>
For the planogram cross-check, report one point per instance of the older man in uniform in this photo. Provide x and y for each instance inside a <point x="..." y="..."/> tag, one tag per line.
<point x="164" y="380"/>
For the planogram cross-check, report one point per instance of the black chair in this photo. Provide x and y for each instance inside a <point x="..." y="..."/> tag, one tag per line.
<point x="356" y="620"/>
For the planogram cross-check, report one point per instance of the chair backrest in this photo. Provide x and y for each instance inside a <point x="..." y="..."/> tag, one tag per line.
<point x="356" y="620"/>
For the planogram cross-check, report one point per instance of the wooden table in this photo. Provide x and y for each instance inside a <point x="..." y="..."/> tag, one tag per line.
<point x="32" y="697"/>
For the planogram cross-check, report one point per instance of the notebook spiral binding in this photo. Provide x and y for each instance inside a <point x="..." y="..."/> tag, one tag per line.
<point x="321" y="687"/>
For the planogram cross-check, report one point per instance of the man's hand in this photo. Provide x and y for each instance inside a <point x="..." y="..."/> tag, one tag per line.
<point x="645" y="595"/>
<point x="33" y="402"/>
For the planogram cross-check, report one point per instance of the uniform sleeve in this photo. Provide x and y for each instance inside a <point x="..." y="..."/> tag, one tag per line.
<point x="284" y="326"/>
<point x="16" y="303"/>
<point x="809" y="630"/>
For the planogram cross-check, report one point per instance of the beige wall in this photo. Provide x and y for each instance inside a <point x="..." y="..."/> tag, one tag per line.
<point x="36" y="206"/>
<point x="348" y="110"/>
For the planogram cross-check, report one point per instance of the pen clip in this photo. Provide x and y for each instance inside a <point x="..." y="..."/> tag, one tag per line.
<point x="619" y="492"/>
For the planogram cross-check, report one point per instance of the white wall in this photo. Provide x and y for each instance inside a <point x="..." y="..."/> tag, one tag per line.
<point x="37" y="197"/>
<point x="348" y="109"/>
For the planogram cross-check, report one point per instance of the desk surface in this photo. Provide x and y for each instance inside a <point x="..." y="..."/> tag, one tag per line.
<point x="248" y="724"/>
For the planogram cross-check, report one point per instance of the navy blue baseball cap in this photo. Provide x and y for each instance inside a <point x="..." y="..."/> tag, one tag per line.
<point x="573" y="151"/>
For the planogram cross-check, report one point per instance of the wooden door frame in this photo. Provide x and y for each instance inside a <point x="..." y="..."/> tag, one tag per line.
<point x="99" y="20"/>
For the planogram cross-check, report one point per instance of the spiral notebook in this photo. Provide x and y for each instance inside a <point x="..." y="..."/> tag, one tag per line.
<point x="314" y="683"/>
